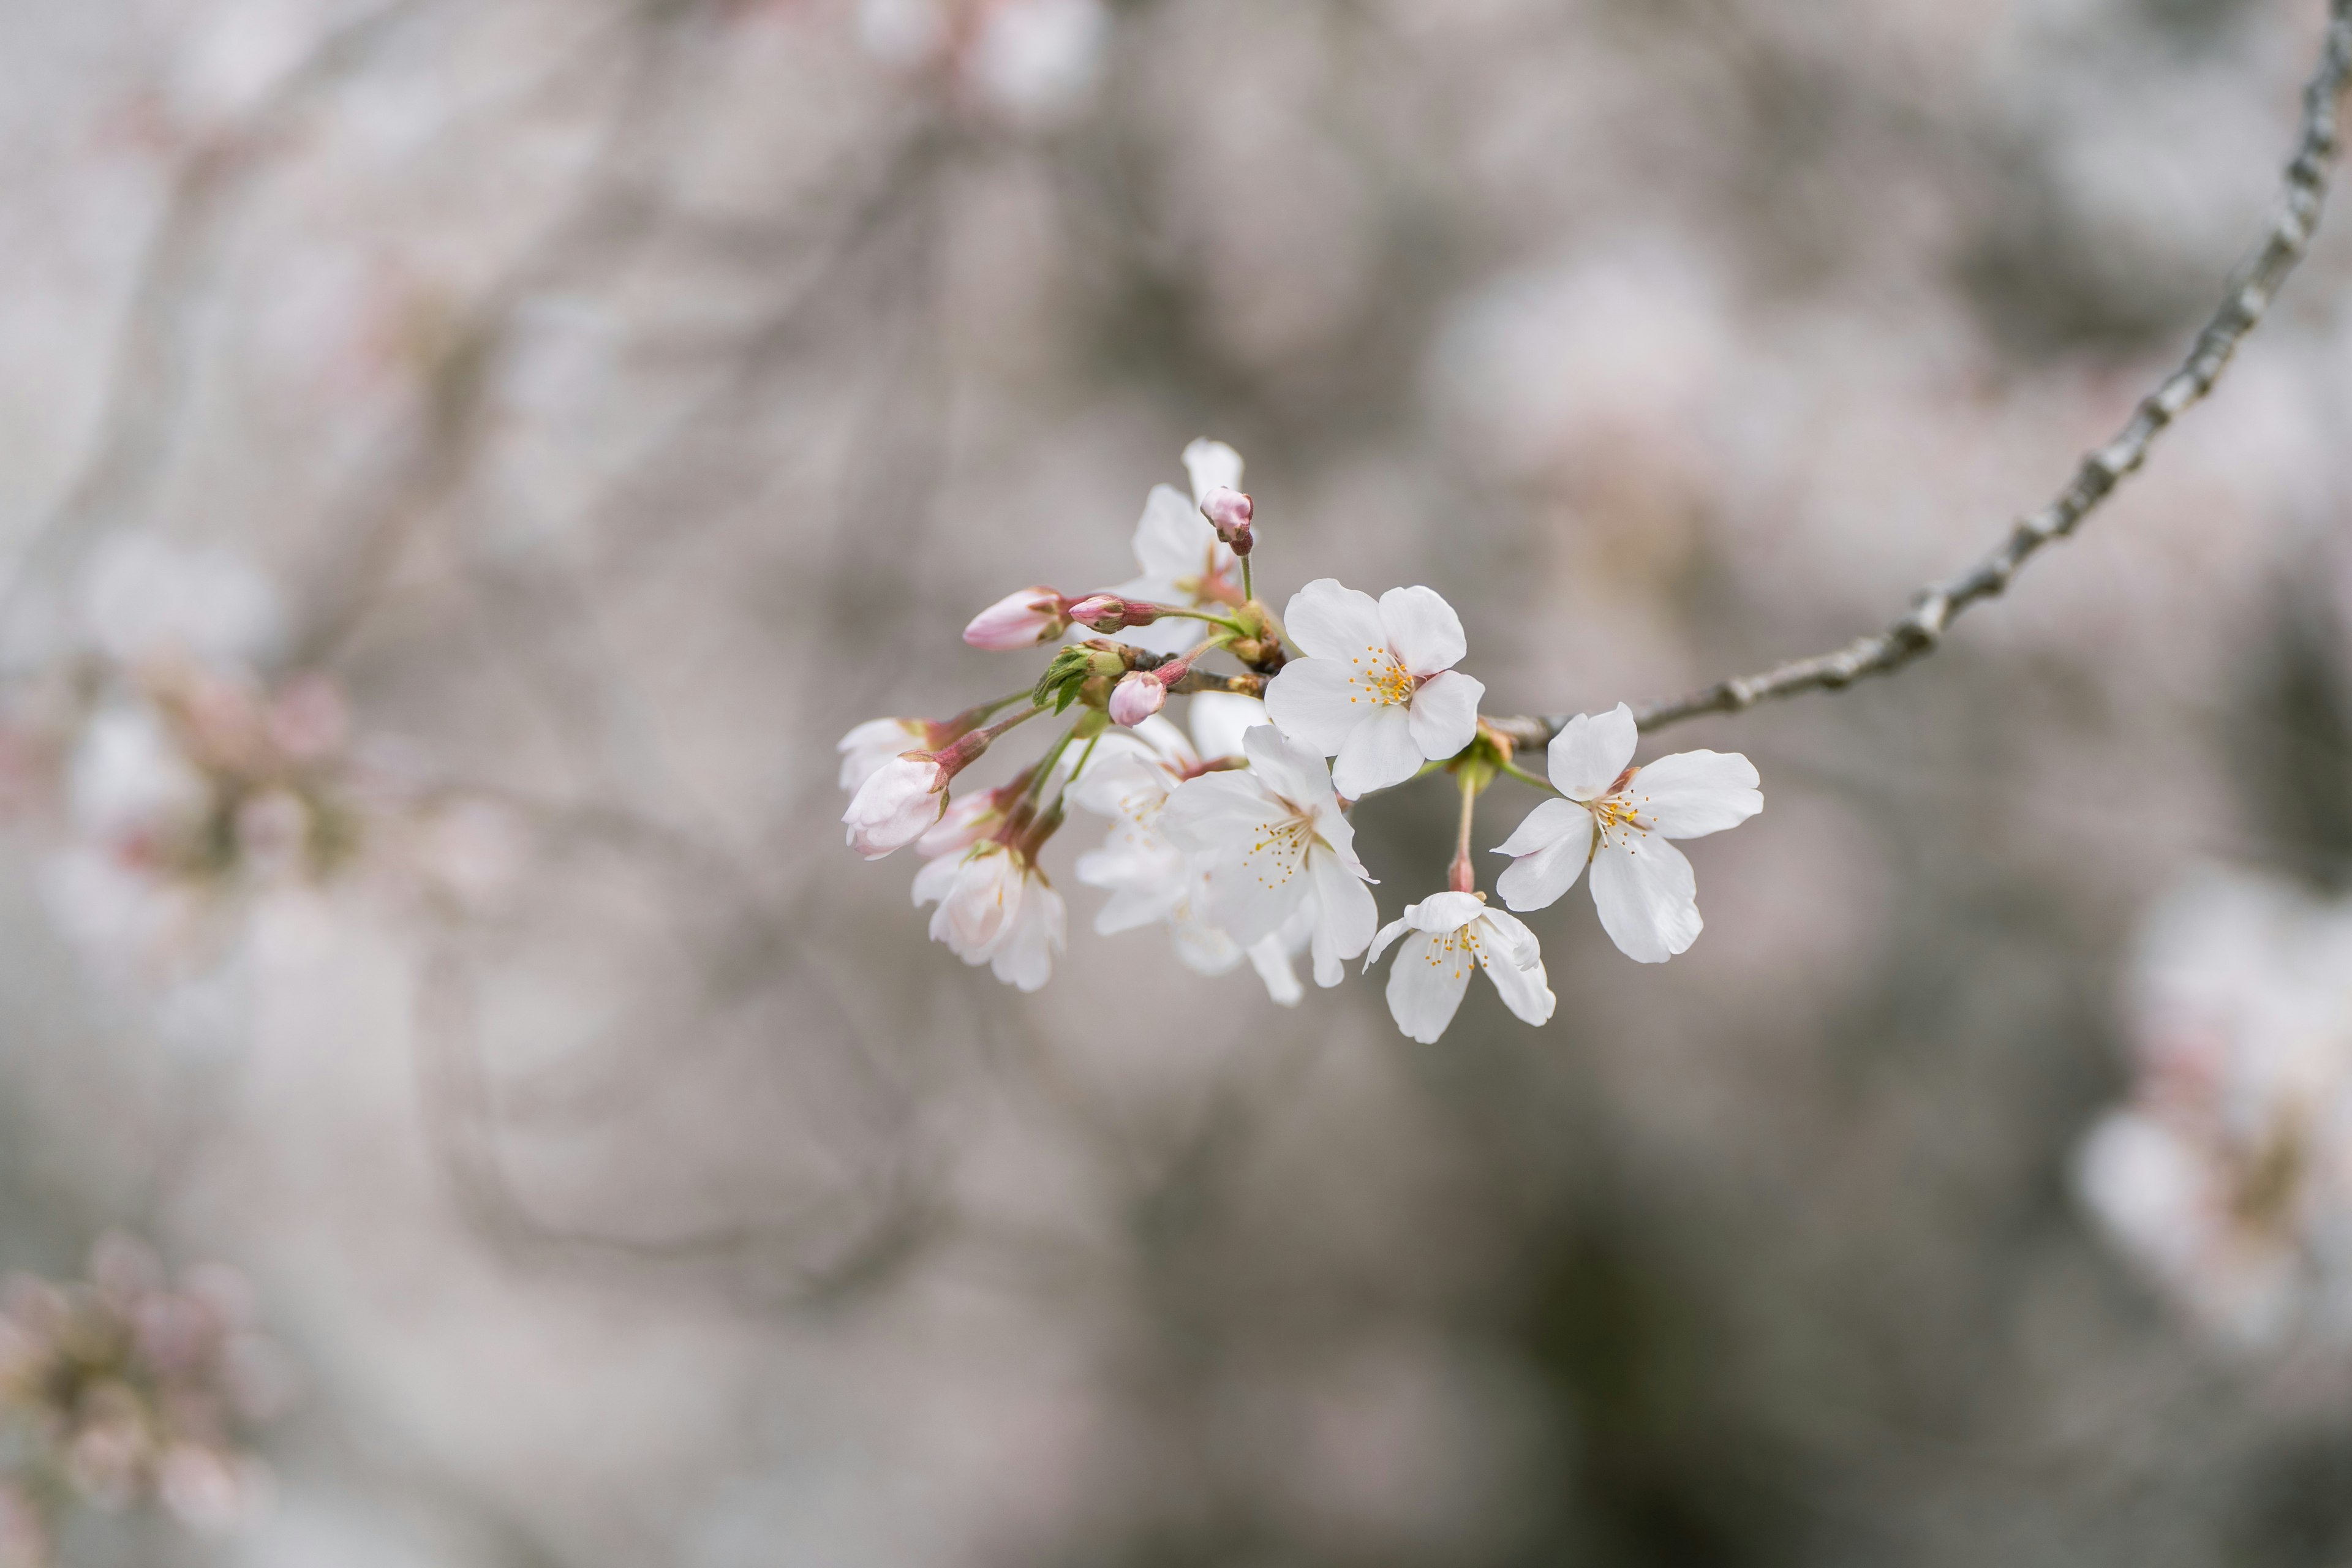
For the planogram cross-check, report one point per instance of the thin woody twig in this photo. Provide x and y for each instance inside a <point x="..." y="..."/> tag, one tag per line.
<point x="1916" y="633"/>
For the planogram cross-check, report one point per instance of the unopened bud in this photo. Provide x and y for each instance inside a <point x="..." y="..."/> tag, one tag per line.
<point x="1019" y="620"/>
<point x="1137" y="697"/>
<point x="1109" y="612"/>
<point x="1230" y="512"/>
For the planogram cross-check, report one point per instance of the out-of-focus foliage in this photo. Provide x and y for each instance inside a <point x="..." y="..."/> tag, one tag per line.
<point x="467" y="462"/>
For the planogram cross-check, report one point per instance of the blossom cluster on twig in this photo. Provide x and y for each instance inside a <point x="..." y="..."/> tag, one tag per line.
<point x="1238" y="838"/>
<point x="171" y="773"/>
<point x="128" y="1389"/>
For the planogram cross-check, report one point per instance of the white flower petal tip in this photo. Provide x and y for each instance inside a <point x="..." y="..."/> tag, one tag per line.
<point x="1443" y="938"/>
<point x="1181" y="560"/>
<point x="1620" y="820"/>
<point x="1377" y="689"/>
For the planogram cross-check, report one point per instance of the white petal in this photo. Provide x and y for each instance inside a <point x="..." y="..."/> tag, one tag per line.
<point x="1219" y="719"/>
<point x="1327" y="621"/>
<point x="1692" y="793"/>
<point x="1038" y="933"/>
<point x="1380" y="753"/>
<point x="1546" y="825"/>
<point x="1424" y="630"/>
<point x="1210" y="464"/>
<point x="1173" y="540"/>
<point x="1388" y="933"/>
<point x="934" y="882"/>
<point x="1444" y="911"/>
<point x="1202" y="947"/>
<point x="1586" y="758"/>
<point x="1208" y="812"/>
<point x="1271" y="959"/>
<point x="1426" y="983"/>
<point x="1515" y="967"/>
<point x="1550" y="850"/>
<point x="1446" y="714"/>
<point x="1346" y="916"/>
<point x="1316" y="703"/>
<point x="1648" y="899"/>
<point x="1290" y="771"/>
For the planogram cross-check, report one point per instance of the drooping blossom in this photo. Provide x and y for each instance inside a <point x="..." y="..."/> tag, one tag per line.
<point x="2228" y="1175"/>
<point x="899" y="803"/>
<point x="1183" y="561"/>
<point x="1378" y="690"/>
<point x="1277" y="844"/>
<point x="996" y="907"/>
<point x="907" y="796"/>
<point x="1620" y="818"/>
<point x="1150" y="879"/>
<point x="1021" y="619"/>
<point x="1445" y="936"/>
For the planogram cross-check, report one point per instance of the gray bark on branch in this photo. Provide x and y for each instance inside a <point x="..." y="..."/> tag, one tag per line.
<point x="1916" y="633"/>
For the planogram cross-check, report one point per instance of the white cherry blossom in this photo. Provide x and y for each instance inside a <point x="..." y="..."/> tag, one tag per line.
<point x="1150" y="879"/>
<point x="1185" y="564"/>
<point x="1378" y="689"/>
<point x="995" y="908"/>
<point x="1618" y="818"/>
<point x="1446" y="935"/>
<point x="1277" y="851"/>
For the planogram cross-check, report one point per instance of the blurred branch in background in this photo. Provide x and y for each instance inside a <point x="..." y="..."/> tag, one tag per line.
<point x="1917" y="632"/>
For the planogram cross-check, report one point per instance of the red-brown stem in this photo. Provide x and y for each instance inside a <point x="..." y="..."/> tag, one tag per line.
<point x="1462" y="877"/>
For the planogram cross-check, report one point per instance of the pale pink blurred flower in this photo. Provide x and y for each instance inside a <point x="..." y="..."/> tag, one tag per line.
<point x="2228" y="1175"/>
<point x="996" y="907"/>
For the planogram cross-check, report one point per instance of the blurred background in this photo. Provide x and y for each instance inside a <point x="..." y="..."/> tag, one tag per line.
<point x="464" y="463"/>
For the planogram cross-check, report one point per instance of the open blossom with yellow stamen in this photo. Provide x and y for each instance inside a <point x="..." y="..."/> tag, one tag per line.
<point x="1378" y="689"/>
<point x="1277" y="851"/>
<point x="1618" y="818"/>
<point x="1451" y="934"/>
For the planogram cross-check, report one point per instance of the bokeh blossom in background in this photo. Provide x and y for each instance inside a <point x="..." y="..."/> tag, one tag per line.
<point x="130" y="1389"/>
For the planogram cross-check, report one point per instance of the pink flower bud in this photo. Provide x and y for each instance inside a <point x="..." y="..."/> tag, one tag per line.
<point x="1138" y="695"/>
<point x="897" y="804"/>
<point x="1019" y="620"/>
<point x="1231" y="513"/>
<point x="1104" y="613"/>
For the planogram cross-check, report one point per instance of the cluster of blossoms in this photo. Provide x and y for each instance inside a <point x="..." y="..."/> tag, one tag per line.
<point x="1238" y="838"/>
<point x="2228" y="1175"/>
<point x="127" y="1389"/>
<point x="172" y="779"/>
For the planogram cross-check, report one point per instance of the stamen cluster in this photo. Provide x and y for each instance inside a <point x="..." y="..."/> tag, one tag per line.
<point x="1237" y="836"/>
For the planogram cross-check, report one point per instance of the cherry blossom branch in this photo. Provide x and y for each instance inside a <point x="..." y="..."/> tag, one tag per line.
<point x="1917" y="633"/>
